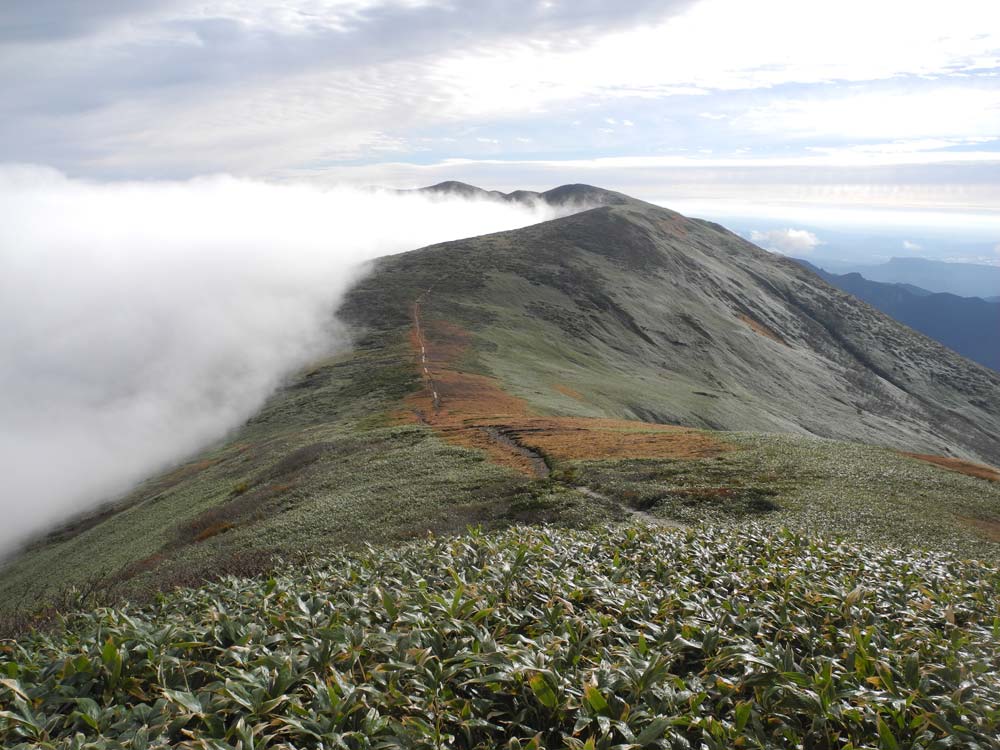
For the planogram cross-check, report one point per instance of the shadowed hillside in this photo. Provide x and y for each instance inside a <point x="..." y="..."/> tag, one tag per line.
<point x="968" y="325"/>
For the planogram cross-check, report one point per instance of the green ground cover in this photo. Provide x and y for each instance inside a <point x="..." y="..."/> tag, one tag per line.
<point x="536" y="638"/>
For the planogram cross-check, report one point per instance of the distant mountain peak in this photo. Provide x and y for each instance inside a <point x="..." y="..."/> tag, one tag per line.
<point x="968" y="325"/>
<point x="564" y="195"/>
<point x="455" y="187"/>
<point x="585" y="194"/>
<point x="963" y="279"/>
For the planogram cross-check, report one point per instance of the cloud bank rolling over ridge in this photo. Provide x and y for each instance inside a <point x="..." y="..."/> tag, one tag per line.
<point x="145" y="320"/>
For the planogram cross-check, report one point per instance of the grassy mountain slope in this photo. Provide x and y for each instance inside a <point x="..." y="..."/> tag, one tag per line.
<point x="650" y="315"/>
<point x="968" y="325"/>
<point x="555" y="352"/>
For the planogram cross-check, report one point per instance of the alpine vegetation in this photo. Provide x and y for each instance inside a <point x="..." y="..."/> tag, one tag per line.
<point x="615" y="638"/>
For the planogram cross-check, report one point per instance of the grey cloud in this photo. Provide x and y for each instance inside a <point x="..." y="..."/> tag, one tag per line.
<point x="59" y="84"/>
<point x="45" y="20"/>
<point x="229" y="48"/>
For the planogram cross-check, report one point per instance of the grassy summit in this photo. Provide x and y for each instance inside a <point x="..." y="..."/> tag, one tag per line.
<point x="532" y="638"/>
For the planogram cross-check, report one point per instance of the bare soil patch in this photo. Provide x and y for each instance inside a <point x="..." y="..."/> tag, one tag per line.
<point x="989" y="529"/>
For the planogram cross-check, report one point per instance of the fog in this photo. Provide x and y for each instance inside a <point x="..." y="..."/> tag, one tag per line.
<point x="142" y="321"/>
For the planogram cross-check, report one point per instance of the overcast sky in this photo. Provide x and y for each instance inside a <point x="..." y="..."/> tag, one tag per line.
<point x="893" y="104"/>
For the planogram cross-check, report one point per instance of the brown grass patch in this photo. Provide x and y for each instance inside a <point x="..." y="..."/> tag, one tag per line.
<point x="569" y="392"/>
<point x="213" y="530"/>
<point x="178" y="475"/>
<point x="469" y="404"/>
<point x="245" y="508"/>
<point x="984" y="527"/>
<point x="958" y="464"/>
<point x="581" y="439"/>
<point x="757" y="327"/>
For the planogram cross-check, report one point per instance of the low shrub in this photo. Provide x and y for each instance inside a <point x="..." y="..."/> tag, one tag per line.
<point x="611" y="638"/>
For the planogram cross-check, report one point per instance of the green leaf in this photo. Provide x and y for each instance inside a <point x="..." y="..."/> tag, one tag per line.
<point x="182" y="697"/>
<point x="87" y="719"/>
<point x="390" y="605"/>
<point x="887" y="741"/>
<point x="90" y="710"/>
<point x="912" y="670"/>
<point x="543" y="691"/>
<point x="595" y="699"/>
<point x="109" y="654"/>
<point x="653" y="731"/>
<point x="15" y="687"/>
<point x="27" y="722"/>
<point x="742" y="714"/>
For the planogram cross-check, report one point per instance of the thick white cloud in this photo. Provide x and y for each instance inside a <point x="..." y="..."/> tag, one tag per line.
<point x="786" y="241"/>
<point x="911" y="246"/>
<point x="734" y="45"/>
<point x="142" y="321"/>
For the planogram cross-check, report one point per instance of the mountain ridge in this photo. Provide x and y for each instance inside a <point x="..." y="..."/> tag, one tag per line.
<point x="843" y="326"/>
<point x="962" y="279"/>
<point x="579" y="194"/>
<point x="573" y="372"/>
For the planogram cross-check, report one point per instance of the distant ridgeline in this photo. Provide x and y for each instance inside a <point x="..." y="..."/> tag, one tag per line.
<point x="968" y="325"/>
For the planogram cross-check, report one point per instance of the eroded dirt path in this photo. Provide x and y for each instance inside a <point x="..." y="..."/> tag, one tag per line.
<point x="636" y="515"/>
<point x="421" y="344"/>
<point x="538" y="463"/>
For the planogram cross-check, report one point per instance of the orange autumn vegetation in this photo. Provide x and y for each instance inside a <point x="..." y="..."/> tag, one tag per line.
<point x="960" y="465"/>
<point x="474" y="408"/>
<point x="762" y="329"/>
<point x="568" y="392"/>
